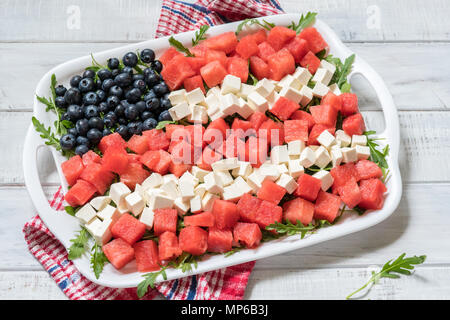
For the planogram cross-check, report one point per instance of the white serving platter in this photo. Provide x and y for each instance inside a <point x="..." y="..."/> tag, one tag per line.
<point x="64" y="226"/>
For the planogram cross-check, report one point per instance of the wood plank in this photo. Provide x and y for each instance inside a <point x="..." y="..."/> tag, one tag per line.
<point x="406" y="69"/>
<point x="353" y="20"/>
<point x="419" y="226"/>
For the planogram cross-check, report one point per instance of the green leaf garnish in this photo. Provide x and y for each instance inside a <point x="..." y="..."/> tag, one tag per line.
<point x="342" y="71"/>
<point x="359" y="211"/>
<point x="70" y="210"/>
<point x="200" y="34"/>
<point x="233" y="251"/>
<point x="291" y="229"/>
<point x="98" y="259"/>
<point x="79" y="243"/>
<point x="376" y="155"/>
<point x="179" y="46"/>
<point x="149" y="281"/>
<point x="393" y="270"/>
<point x="162" y="124"/>
<point x="304" y="22"/>
<point x="49" y="136"/>
<point x="250" y="21"/>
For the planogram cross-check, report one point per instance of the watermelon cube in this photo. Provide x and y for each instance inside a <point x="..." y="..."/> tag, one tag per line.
<point x="168" y="55"/>
<point x="199" y="50"/>
<point x="134" y="174"/>
<point x="175" y="130"/>
<point x="350" y="193"/>
<point x="111" y="140"/>
<point x="233" y="144"/>
<point x="219" y="240"/>
<point x="324" y="114"/>
<point x="247" y="47"/>
<point x="270" y="191"/>
<point x="308" y="187"/>
<point x="311" y="62"/>
<point x="157" y="139"/>
<point x="179" y="168"/>
<point x="225" y="42"/>
<point x="213" y="73"/>
<point x="175" y="71"/>
<point x="128" y="228"/>
<point x="242" y="128"/>
<point x="295" y="130"/>
<point x="354" y="124"/>
<point x="168" y="247"/>
<point x="146" y="253"/>
<point x="90" y="157"/>
<point x="182" y="152"/>
<point x="367" y="169"/>
<point x="272" y="132"/>
<point x="134" y="158"/>
<point x="259" y="36"/>
<point x="298" y="48"/>
<point x="332" y="100"/>
<point x="372" y="191"/>
<point x="343" y="173"/>
<point x="349" y="104"/>
<point x="247" y="207"/>
<point x="315" y="132"/>
<point x="256" y="119"/>
<point x="215" y="55"/>
<point x="138" y="144"/>
<point x="115" y="159"/>
<point x="279" y="36"/>
<point x="196" y="63"/>
<point x="314" y="38"/>
<point x="203" y="219"/>
<point x="265" y="50"/>
<point x="193" y="240"/>
<point x="280" y="64"/>
<point x="193" y="83"/>
<point x="165" y="220"/>
<point x="247" y="233"/>
<point x="225" y="214"/>
<point x="303" y="115"/>
<point x="326" y="206"/>
<point x="298" y="209"/>
<point x="238" y="67"/>
<point x="96" y="175"/>
<point x="284" y="108"/>
<point x="260" y="69"/>
<point x="118" y="252"/>
<point x="157" y="161"/>
<point x="209" y="156"/>
<point x="80" y="193"/>
<point x="268" y="213"/>
<point x="72" y="169"/>
<point x="255" y="151"/>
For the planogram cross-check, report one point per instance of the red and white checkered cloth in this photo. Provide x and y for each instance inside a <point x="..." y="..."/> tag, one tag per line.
<point x="224" y="284"/>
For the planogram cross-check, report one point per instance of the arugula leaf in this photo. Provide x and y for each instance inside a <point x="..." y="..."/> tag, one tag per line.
<point x="79" y="243"/>
<point x="252" y="80"/>
<point x="233" y="251"/>
<point x="393" y="270"/>
<point x="342" y="71"/>
<point x="179" y="46"/>
<point x="98" y="259"/>
<point x="377" y="156"/>
<point x="49" y="137"/>
<point x="149" y="281"/>
<point x="360" y="211"/>
<point x="250" y="21"/>
<point x="304" y="22"/>
<point x="291" y="229"/>
<point x="70" y="210"/>
<point x="162" y="124"/>
<point x="200" y="34"/>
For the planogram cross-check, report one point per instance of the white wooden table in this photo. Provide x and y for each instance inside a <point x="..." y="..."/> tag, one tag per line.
<point x="406" y="41"/>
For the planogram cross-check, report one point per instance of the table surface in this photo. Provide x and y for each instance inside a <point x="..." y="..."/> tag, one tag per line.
<point x="406" y="41"/>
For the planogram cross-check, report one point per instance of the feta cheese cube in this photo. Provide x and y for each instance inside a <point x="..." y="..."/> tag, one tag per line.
<point x="240" y="184"/>
<point x="236" y="190"/>
<point x="362" y="152"/>
<point x="291" y="94"/>
<point x="295" y="168"/>
<point x="216" y="115"/>
<point x="199" y="173"/>
<point x="225" y="164"/>
<point x="215" y="91"/>
<point x="93" y="225"/>
<point x="307" y="157"/>
<point x="224" y="177"/>
<point x="198" y="114"/>
<point x="180" y="111"/>
<point x="257" y="102"/>
<point x="303" y="75"/>
<point x="270" y="172"/>
<point x="343" y="139"/>
<point x="102" y="233"/>
<point x="230" y="84"/>
<point x="358" y="140"/>
<point x="320" y="90"/>
<point x="255" y="180"/>
<point x="186" y="189"/>
<point x="282" y="168"/>
<point x="307" y="95"/>
<point x="160" y="201"/>
<point x="168" y="177"/>
<point x="288" y="182"/>
<point x="138" y="188"/>
<point x="200" y="190"/>
<point x="195" y="96"/>
<point x="295" y="147"/>
<point x="213" y="104"/>
<point x="246" y="89"/>
<point x="109" y="212"/>
<point x="326" y="65"/>
<point x="177" y="96"/>
<point x="323" y="76"/>
<point x="325" y="178"/>
<point x="244" y="169"/>
<point x="229" y="104"/>
<point x="147" y="217"/>
<point x="86" y="213"/>
<point x="335" y="89"/>
<point x="182" y="206"/>
<point x="279" y="154"/>
<point x="322" y="157"/>
<point x="187" y="176"/>
<point x="213" y="183"/>
<point x="153" y="181"/>
<point x="245" y="110"/>
<point x="208" y="201"/>
<point x="264" y="87"/>
<point x="98" y="203"/>
<point x="196" y="204"/>
<point x="135" y="203"/>
<point x="336" y="156"/>
<point x="118" y="191"/>
<point x="290" y="81"/>
<point x="349" y="155"/>
<point x="326" y="139"/>
<point x="170" y="188"/>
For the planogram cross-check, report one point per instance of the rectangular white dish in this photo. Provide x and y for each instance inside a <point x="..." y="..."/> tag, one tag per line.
<point x="64" y="226"/>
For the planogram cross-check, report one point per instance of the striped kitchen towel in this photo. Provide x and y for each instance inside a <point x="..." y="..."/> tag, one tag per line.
<point x="225" y="284"/>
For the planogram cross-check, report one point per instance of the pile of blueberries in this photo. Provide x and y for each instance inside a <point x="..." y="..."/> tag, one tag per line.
<point x="113" y="99"/>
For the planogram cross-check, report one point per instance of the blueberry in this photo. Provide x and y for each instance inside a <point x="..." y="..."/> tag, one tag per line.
<point x="165" y="116"/>
<point x="134" y="95"/>
<point x="72" y="131"/>
<point x="147" y="115"/>
<point x="60" y="90"/>
<point x="152" y="104"/>
<point x="86" y="85"/>
<point x="90" y="111"/>
<point x="165" y="103"/>
<point x="75" y="81"/>
<point x="123" y="121"/>
<point x="166" y="96"/>
<point x="123" y="79"/>
<point x="82" y="126"/>
<point x="149" y="95"/>
<point x="147" y="55"/>
<point x="138" y="76"/>
<point x="134" y="128"/>
<point x="81" y="149"/>
<point x="149" y="124"/>
<point x="131" y="112"/>
<point x="96" y="123"/>
<point x="130" y="59"/>
<point x="151" y="79"/>
<point x="106" y="132"/>
<point x="60" y="102"/>
<point x="124" y="103"/>
<point x="65" y="116"/>
<point x="123" y="131"/>
<point x="94" y="136"/>
<point x="140" y="105"/>
<point x="112" y="101"/>
<point x="116" y="91"/>
<point x="139" y="84"/>
<point x="128" y="70"/>
<point x="90" y="98"/>
<point x="147" y="71"/>
<point x="107" y="84"/>
<point x="161" y="89"/>
<point x="98" y="84"/>
<point x="104" y="74"/>
<point x="89" y="74"/>
<point x="110" y="120"/>
<point x="73" y="96"/>
<point x="82" y="140"/>
<point x="113" y="63"/>
<point x="157" y="66"/>
<point x="115" y="72"/>
<point x="101" y="95"/>
<point x="103" y="107"/>
<point x="67" y="142"/>
<point x="120" y="111"/>
<point x="75" y="112"/>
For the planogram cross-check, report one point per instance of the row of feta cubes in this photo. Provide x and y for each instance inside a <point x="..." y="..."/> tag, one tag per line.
<point x="243" y="99"/>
